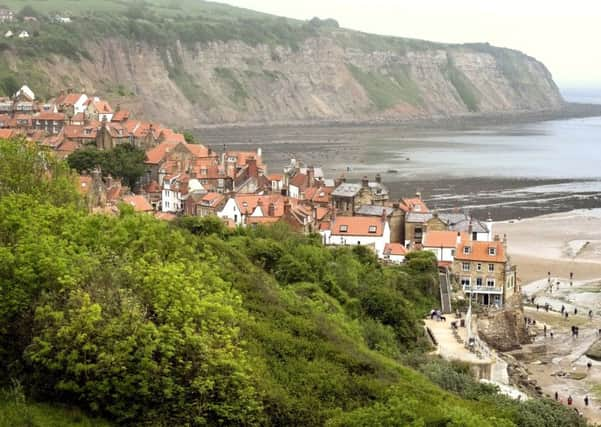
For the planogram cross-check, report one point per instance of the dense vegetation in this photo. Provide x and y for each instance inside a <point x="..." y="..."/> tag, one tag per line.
<point x="190" y="323"/>
<point x="124" y="161"/>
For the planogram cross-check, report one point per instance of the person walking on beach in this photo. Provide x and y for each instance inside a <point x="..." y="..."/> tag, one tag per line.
<point x="590" y="314"/>
<point x="586" y="401"/>
<point x="589" y="365"/>
<point x="563" y="308"/>
<point x="566" y="314"/>
<point x="537" y="307"/>
<point x="556" y="396"/>
<point x="545" y="330"/>
<point x="575" y="311"/>
<point x="570" y="400"/>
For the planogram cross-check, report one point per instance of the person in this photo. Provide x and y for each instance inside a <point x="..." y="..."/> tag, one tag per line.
<point x="551" y="333"/>
<point x="566" y="314"/>
<point x="545" y="330"/>
<point x="585" y="400"/>
<point x="556" y="396"/>
<point x="590" y="314"/>
<point x="575" y="311"/>
<point x="547" y="307"/>
<point x="589" y="365"/>
<point x="432" y="313"/>
<point x="537" y="307"/>
<point x="570" y="400"/>
<point x="563" y="308"/>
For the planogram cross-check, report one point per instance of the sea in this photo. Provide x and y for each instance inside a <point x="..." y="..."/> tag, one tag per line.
<point x="503" y="171"/>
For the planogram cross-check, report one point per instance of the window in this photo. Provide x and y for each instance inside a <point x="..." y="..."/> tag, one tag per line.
<point x="372" y="229"/>
<point x="466" y="282"/>
<point x="343" y="228"/>
<point x="467" y="250"/>
<point x="478" y="267"/>
<point x="474" y="236"/>
<point x="453" y="252"/>
<point x="466" y="266"/>
<point x="492" y="251"/>
<point x="491" y="268"/>
<point x="479" y="281"/>
<point x="490" y="283"/>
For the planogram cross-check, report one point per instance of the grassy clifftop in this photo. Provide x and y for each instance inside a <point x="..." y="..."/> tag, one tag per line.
<point x="216" y="63"/>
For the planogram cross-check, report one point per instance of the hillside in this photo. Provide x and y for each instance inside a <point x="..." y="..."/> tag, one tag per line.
<point x="145" y="322"/>
<point x="192" y="63"/>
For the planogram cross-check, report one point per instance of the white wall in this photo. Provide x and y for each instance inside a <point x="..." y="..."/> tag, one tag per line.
<point x="442" y="254"/>
<point x="231" y="211"/>
<point x="378" y="242"/>
<point x="79" y="106"/>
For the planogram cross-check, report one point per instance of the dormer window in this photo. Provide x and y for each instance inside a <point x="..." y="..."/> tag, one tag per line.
<point x="343" y="228"/>
<point x="492" y="251"/>
<point x="467" y="250"/>
<point x="372" y="229"/>
<point x="244" y="204"/>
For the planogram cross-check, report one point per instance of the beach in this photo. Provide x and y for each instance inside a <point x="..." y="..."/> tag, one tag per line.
<point x="558" y="243"/>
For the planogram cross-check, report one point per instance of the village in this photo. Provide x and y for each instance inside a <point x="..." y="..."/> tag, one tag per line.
<point x="185" y="178"/>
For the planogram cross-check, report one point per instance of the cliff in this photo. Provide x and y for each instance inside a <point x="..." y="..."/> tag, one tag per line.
<point x="310" y="72"/>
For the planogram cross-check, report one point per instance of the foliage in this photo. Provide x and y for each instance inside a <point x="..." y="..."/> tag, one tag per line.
<point x="124" y="161"/>
<point x="465" y="89"/>
<point x="190" y="323"/>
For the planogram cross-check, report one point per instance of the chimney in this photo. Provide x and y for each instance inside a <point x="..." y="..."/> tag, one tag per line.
<point x="379" y="178"/>
<point x="287" y="207"/>
<point x="418" y="195"/>
<point x="365" y="182"/>
<point x="253" y="171"/>
<point x="271" y="210"/>
<point x="259" y="152"/>
<point x="383" y="218"/>
<point x="435" y="214"/>
<point x="310" y="176"/>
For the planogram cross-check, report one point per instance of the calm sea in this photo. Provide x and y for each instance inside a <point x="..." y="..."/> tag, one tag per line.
<point x="510" y="171"/>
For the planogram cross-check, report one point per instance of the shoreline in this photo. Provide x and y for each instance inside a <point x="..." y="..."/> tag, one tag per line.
<point x="571" y="110"/>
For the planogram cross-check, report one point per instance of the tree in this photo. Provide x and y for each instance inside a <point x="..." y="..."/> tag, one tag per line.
<point x="189" y="137"/>
<point x="86" y="159"/>
<point x="9" y="85"/>
<point x="126" y="161"/>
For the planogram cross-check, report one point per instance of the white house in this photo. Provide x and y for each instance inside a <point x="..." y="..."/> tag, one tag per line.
<point x="358" y="231"/>
<point x="176" y="190"/>
<point x="231" y="211"/>
<point x="23" y="35"/>
<point x="25" y="92"/>
<point x="395" y="253"/>
<point x="9" y="34"/>
<point x="442" y="243"/>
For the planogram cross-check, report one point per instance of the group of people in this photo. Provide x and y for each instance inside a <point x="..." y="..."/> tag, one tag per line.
<point x="437" y="314"/>
<point x="571" y="401"/>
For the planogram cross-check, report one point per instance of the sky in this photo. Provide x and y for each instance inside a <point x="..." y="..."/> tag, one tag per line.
<point x="564" y="35"/>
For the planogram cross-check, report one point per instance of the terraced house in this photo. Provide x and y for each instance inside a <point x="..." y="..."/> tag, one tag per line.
<point x="484" y="271"/>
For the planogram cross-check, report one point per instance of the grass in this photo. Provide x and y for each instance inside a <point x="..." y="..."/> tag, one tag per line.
<point x="386" y="91"/>
<point x="236" y="91"/>
<point x="15" y="411"/>
<point x="465" y="89"/>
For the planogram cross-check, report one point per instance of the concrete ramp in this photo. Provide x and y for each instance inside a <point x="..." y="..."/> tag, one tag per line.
<point x="445" y="293"/>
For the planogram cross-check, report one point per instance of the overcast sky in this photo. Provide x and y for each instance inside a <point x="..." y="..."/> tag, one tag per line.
<point x="564" y="34"/>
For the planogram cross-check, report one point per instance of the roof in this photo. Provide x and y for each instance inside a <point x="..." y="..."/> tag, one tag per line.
<point x="69" y="99"/>
<point x="171" y="136"/>
<point x="49" y="115"/>
<point x="347" y="190"/>
<point x="415" y="204"/>
<point x="139" y="203"/>
<point x="418" y="217"/>
<point x="374" y="210"/>
<point x="7" y="133"/>
<point x="275" y="177"/>
<point x="165" y="216"/>
<point x="479" y="251"/>
<point x="247" y="203"/>
<point x="212" y="199"/>
<point x="318" y="194"/>
<point x="262" y="219"/>
<point x="320" y="213"/>
<point x="157" y="154"/>
<point x="463" y="222"/>
<point x="440" y="239"/>
<point x="120" y="116"/>
<point x="357" y="226"/>
<point x="394" y="249"/>
<point x="102" y="107"/>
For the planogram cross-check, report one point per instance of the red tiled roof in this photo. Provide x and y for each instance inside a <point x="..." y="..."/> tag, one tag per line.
<point x="247" y="203"/>
<point x="49" y="115"/>
<point x="357" y="226"/>
<point x="79" y="117"/>
<point x="69" y="99"/>
<point x="156" y="154"/>
<point x="321" y="213"/>
<point x="409" y="205"/>
<point x="139" y="203"/>
<point x="7" y="133"/>
<point x="479" y="251"/>
<point x="262" y="219"/>
<point x="153" y="187"/>
<point x="440" y="239"/>
<point x="102" y="107"/>
<point x="275" y="177"/>
<point x="169" y="135"/>
<point x="395" y="249"/>
<point x="121" y="116"/>
<point x="165" y="216"/>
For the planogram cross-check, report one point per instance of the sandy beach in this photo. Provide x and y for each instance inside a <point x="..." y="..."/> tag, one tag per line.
<point x="558" y="243"/>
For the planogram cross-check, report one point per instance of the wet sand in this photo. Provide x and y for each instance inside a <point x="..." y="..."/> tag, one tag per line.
<point x="558" y="243"/>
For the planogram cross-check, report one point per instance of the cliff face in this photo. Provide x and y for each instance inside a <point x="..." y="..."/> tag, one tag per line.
<point x="331" y="77"/>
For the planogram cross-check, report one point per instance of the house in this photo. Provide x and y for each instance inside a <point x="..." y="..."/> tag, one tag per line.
<point x="357" y="231"/>
<point x="98" y="109"/>
<point x="6" y="15"/>
<point x="484" y="270"/>
<point x="62" y="19"/>
<point x="9" y="34"/>
<point x="176" y="190"/>
<point x="244" y="209"/>
<point x="23" y="35"/>
<point x="121" y="116"/>
<point x="206" y="204"/>
<point x="8" y="133"/>
<point x="443" y="244"/>
<point x="50" y="122"/>
<point x="349" y="197"/>
<point x="72" y="103"/>
<point x="395" y="253"/>
<point x="24" y="94"/>
<point x="110" y="135"/>
<point x="394" y="216"/>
